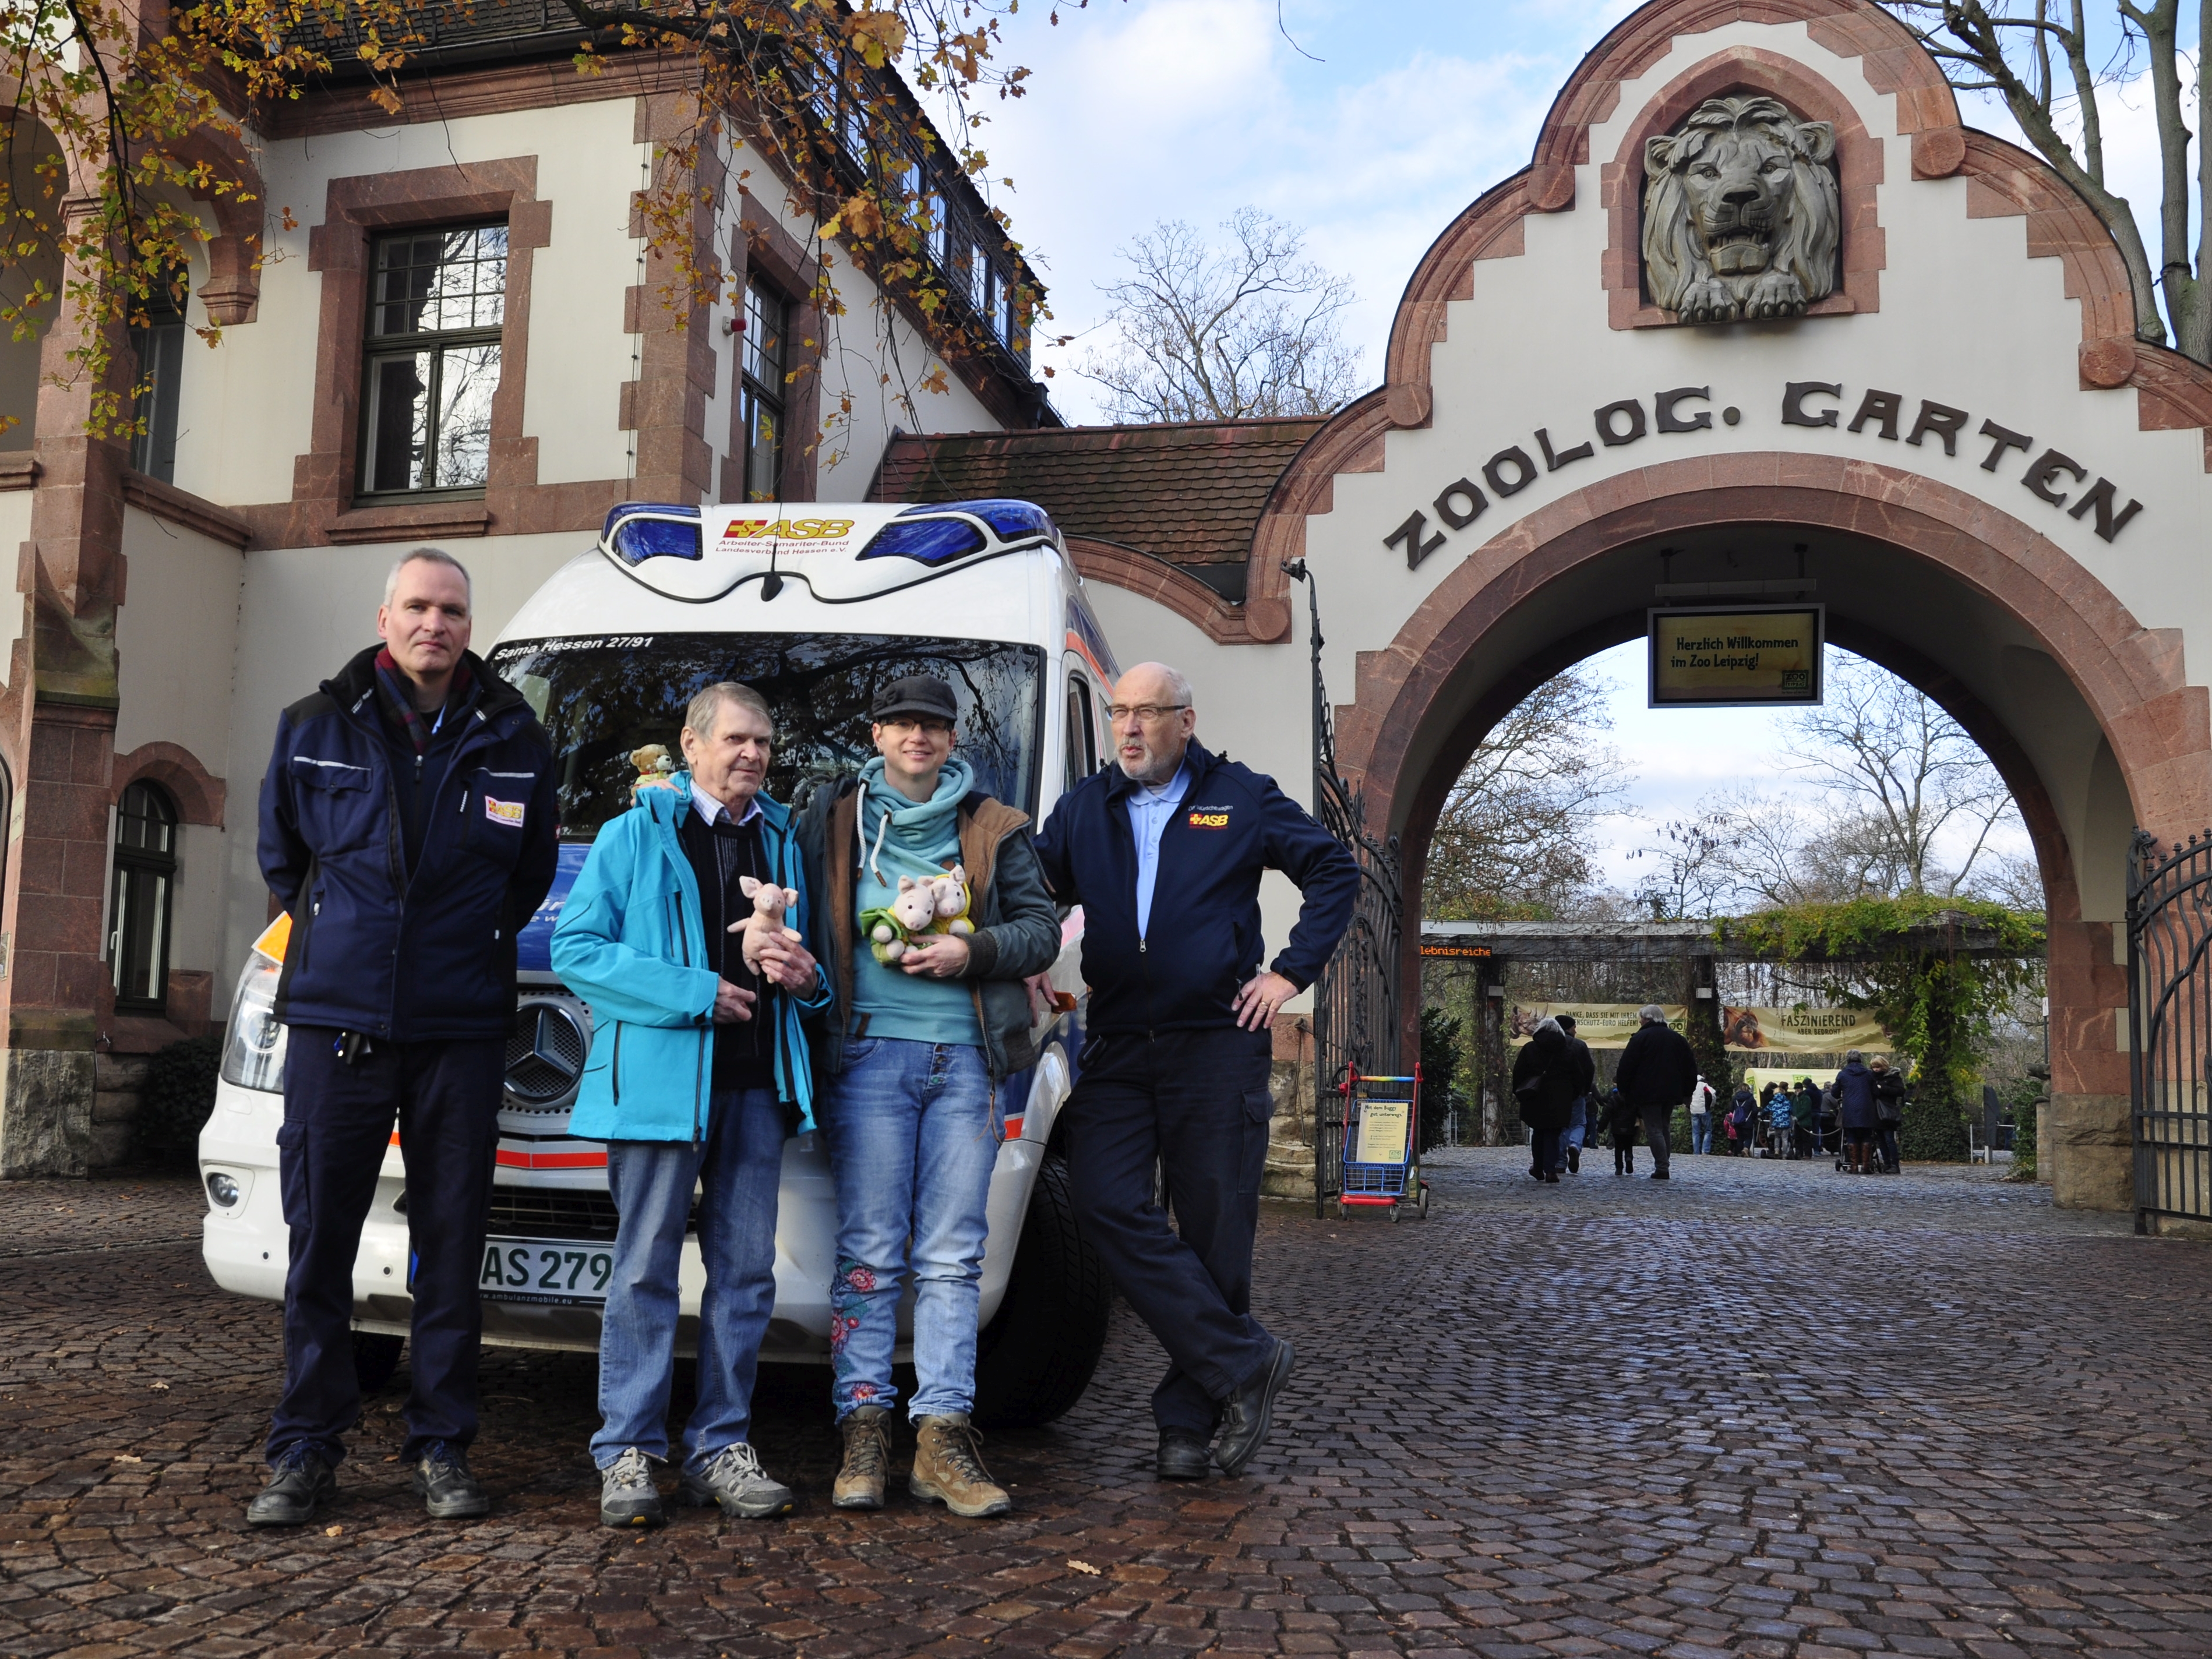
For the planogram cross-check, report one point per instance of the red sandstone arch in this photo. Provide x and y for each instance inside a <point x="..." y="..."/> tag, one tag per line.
<point x="2160" y="727"/>
<point x="198" y="793"/>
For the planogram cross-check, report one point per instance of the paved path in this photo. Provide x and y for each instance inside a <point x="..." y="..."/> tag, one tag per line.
<point x="1761" y="1409"/>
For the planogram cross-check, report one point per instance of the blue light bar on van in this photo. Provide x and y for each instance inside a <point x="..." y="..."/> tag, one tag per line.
<point x="926" y="541"/>
<point x="940" y="532"/>
<point x="638" y="530"/>
<point x="1011" y="520"/>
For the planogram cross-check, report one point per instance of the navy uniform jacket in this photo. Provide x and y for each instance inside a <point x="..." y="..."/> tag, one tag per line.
<point x="1204" y="938"/>
<point x="420" y="959"/>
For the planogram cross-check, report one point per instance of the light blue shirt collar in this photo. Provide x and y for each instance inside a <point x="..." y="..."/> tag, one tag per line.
<point x="1149" y="811"/>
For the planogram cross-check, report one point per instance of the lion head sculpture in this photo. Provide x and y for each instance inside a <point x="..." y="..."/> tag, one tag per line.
<point x="1740" y="213"/>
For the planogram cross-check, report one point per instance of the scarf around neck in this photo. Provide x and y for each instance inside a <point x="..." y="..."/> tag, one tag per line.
<point x="399" y="699"/>
<point x="913" y="832"/>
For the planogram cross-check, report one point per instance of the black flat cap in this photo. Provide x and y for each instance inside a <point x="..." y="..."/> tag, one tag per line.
<point x="918" y="694"/>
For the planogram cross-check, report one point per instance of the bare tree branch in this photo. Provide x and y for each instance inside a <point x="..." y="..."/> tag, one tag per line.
<point x="1228" y="333"/>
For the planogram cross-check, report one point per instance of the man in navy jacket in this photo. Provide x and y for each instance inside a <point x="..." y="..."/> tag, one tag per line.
<point x="407" y="828"/>
<point x="1164" y="851"/>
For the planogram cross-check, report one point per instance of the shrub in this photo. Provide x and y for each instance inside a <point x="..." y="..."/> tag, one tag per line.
<point x="1932" y="1132"/>
<point x="179" y="1094"/>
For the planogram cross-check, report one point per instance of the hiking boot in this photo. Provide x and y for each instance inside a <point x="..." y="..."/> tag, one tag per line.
<point x="948" y="1467"/>
<point x="1249" y="1413"/>
<point x="298" y="1481"/>
<point x="859" y="1484"/>
<point x="448" y="1490"/>
<point x="734" y="1479"/>
<point x="1181" y="1457"/>
<point x="628" y="1497"/>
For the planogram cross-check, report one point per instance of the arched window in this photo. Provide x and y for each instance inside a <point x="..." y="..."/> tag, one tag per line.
<point x="138" y="904"/>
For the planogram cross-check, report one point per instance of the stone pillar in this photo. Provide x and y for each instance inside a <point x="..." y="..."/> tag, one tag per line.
<point x="58" y="988"/>
<point x="2086" y="1137"/>
<point x="1289" y="1171"/>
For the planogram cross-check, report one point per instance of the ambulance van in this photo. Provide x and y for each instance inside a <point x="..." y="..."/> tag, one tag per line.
<point x="816" y="606"/>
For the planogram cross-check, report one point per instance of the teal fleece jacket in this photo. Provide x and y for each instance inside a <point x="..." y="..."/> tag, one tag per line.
<point x="631" y="942"/>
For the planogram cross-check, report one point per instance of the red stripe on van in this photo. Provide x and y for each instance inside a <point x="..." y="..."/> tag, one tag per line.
<point x="551" y="1160"/>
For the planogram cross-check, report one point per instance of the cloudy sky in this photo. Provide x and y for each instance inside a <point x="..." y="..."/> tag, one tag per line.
<point x="1370" y="124"/>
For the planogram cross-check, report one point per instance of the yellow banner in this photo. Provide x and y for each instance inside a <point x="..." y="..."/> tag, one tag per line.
<point x="1601" y="1025"/>
<point x="1749" y="1030"/>
<point x="1802" y="1030"/>
<point x="1735" y="657"/>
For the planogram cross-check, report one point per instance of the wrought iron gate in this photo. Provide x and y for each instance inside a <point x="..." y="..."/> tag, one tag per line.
<point x="1356" y="1011"/>
<point x="2170" y="1026"/>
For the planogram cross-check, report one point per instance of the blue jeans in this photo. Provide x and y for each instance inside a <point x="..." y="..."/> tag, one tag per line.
<point x="740" y="1166"/>
<point x="1701" y="1132"/>
<point x="913" y="1137"/>
<point x="1577" y="1122"/>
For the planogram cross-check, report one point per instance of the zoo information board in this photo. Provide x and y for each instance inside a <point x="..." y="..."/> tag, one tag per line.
<point x="1736" y="656"/>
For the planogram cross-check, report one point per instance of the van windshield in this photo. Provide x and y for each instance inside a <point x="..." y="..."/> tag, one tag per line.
<point x="601" y="698"/>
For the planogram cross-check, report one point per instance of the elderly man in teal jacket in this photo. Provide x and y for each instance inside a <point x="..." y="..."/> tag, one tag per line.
<point x="698" y="1073"/>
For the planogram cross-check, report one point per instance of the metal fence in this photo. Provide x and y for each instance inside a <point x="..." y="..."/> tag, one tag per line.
<point x="2170" y="1026"/>
<point x="1356" y="1004"/>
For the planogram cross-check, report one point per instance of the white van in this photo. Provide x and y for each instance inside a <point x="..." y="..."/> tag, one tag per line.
<point x="816" y="606"/>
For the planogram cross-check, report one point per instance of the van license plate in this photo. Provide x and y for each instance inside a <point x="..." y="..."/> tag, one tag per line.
<point x="545" y="1270"/>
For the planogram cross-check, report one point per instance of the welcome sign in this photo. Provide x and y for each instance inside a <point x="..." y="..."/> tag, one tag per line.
<point x="1736" y="656"/>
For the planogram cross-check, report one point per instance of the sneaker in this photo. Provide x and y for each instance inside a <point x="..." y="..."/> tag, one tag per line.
<point x="448" y="1490"/>
<point x="859" y="1484"/>
<point x="628" y="1497"/>
<point x="1574" y="1160"/>
<point x="298" y="1481"/>
<point x="948" y="1468"/>
<point x="734" y="1479"/>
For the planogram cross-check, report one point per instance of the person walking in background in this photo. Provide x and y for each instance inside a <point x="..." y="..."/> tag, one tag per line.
<point x="1889" y="1113"/>
<point x="912" y="1075"/>
<point x="1804" y="1117"/>
<point x="1743" y="1113"/>
<point x="1164" y="850"/>
<point x="407" y="828"/>
<point x="1856" y="1114"/>
<point x="1544" y="1079"/>
<point x="1585" y="1100"/>
<point x="1625" y="1124"/>
<point x="1781" y="1123"/>
<point x="699" y="1069"/>
<point x="1658" y="1070"/>
<point x="1701" y="1117"/>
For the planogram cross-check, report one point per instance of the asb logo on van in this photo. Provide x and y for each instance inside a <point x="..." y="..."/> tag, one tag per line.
<point x="791" y="530"/>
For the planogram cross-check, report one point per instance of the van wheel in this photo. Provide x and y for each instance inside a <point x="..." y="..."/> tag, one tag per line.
<point x="375" y="1356"/>
<point x="1035" y="1359"/>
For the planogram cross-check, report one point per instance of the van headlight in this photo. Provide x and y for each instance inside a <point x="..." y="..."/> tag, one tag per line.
<point x="253" y="1047"/>
<point x="222" y="1189"/>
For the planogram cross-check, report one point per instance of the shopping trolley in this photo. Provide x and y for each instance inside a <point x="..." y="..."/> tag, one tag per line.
<point x="1381" y="1144"/>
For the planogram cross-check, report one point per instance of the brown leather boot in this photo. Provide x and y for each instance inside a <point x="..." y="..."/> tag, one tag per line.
<point x="948" y="1467"/>
<point x="859" y="1483"/>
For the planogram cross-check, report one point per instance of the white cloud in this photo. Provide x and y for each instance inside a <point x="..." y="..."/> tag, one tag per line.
<point x="1189" y="109"/>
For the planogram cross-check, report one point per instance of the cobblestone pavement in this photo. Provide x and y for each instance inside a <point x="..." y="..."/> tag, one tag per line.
<point x="1762" y="1409"/>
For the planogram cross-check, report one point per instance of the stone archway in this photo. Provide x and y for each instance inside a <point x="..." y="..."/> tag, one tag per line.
<point x="1540" y="596"/>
